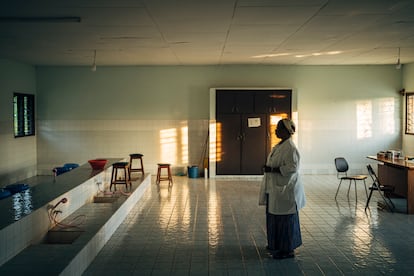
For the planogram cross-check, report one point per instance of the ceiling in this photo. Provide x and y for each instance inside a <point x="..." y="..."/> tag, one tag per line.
<point x="207" y="32"/>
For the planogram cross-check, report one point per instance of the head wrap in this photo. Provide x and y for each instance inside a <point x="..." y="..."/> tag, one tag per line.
<point x="289" y="125"/>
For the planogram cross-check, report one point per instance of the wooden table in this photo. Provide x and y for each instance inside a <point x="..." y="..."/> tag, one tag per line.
<point x="400" y="174"/>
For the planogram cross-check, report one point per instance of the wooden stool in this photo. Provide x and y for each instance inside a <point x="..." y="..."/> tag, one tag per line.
<point x="123" y="167"/>
<point x="136" y="156"/>
<point x="168" y="177"/>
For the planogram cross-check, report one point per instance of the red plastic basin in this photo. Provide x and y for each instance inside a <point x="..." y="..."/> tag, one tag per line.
<point x="98" y="164"/>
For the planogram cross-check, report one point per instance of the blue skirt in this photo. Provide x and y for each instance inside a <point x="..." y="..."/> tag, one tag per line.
<point x="283" y="231"/>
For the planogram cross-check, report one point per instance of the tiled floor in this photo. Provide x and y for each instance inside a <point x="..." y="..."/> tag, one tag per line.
<point x="215" y="227"/>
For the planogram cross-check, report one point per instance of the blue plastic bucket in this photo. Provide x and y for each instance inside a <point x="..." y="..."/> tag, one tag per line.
<point x="71" y="166"/>
<point x="60" y="170"/>
<point x="4" y="193"/>
<point x="193" y="172"/>
<point x="16" y="188"/>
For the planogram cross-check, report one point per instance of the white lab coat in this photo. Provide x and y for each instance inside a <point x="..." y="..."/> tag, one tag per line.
<point x="285" y="189"/>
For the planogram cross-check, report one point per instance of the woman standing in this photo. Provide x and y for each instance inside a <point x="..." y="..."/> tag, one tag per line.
<point x="283" y="194"/>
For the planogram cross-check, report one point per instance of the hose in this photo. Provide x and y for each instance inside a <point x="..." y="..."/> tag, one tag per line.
<point x="53" y="215"/>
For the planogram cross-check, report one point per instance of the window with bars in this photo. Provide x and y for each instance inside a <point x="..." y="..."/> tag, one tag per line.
<point x="24" y="114"/>
<point x="409" y="113"/>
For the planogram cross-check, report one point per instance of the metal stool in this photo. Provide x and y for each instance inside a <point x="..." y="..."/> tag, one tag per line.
<point x="136" y="156"/>
<point x="123" y="167"/>
<point x="168" y="177"/>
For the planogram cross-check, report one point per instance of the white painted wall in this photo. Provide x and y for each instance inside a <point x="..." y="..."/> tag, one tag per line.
<point x="17" y="155"/>
<point x="120" y="110"/>
<point x="336" y="103"/>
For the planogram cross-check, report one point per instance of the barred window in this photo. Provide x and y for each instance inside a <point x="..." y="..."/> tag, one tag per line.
<point x="24" y="114"/>
<point x="409" y="115"/>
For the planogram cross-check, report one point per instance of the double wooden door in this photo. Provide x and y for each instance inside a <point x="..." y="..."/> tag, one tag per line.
<point x="243" y="128"/>
<point x="242" y="147"/>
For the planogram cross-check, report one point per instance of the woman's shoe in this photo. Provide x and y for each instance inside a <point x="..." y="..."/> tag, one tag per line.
<point x="283" y="255"/>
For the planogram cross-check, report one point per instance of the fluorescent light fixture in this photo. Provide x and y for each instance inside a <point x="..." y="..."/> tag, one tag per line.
<point x="40" y="19"/>
<point x="334" y="52"/>
<point x="299" y="55"/>
<point x="271" y="55"/>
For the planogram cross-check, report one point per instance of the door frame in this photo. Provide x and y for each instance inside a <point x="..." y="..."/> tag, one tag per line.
<point x="212" y="126"/>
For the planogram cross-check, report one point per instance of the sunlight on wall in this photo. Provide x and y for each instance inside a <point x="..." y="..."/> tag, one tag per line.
<point x="212" y="148"/>
<point x="365" y="113"/>
<point x="364" y="119"/>
<point x="184" y="145"/>
<point x="215" y="142"/>
<point x="168" y="140"/>
<point x="174" y="145"/>
<point x="386" y="113"/>
<point x="274" y="119"/>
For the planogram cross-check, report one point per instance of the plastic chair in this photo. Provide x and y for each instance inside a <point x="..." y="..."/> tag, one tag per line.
<point x="382" y="189"/>
<point x="342" y="168"/>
